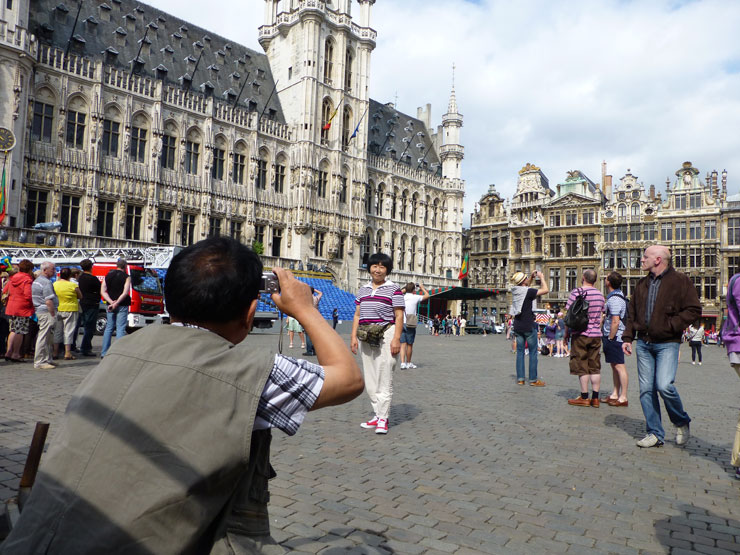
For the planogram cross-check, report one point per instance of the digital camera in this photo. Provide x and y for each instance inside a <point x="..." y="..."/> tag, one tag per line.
<point x="269" y="283"/>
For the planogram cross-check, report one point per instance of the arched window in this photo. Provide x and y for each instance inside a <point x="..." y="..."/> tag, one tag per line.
<point x="348" y="70"/>
<point x="394" y="202"/>
<point x="76" y="122"/>
<point x="322" y="184"/>
<point x="369" y="195"/>
<point x="260" y="180"/>
<point x="402" y="254"/>
<point x="326" y="111"/>
<point x="239" y="162"/>
<point x="111" y="132"/>
<point x="424" y="259"/>
<point x="328" y="60"/>
<point x="622" y="210"/>
<point x="280" y="171"/>
<point x="635" y="209"/>
<point x="218" y="169"/>
<point x="414" y="207"/>
<point x="379" y="205"/>
<point x="43" y="115"/>
<point x="365" y="247"/>
<point x="412" y="254"/>
<point x="346" y="127"/>
<point x="404" y="204"/>
<point x="139" y="136"/>
<point x="169" y="145"/>
<point x="192" y="152"/>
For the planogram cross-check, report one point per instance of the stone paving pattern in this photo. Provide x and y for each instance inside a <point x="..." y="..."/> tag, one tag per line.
<point x="474" y="463"/>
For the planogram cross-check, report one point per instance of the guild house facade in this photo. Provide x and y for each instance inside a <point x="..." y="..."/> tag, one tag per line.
<point x="587" y="225"/>
<point x="135" y="127"/>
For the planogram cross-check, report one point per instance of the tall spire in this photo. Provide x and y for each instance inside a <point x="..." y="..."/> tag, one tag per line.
<point x="452" y="106"/>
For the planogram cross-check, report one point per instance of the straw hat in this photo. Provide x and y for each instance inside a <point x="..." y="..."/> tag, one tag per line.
<point x="518" y="278"/>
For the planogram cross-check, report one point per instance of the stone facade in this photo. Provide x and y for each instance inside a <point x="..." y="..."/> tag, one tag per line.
<point x="571" y="230"/>
<point x="585" y="225"/>
<point x="136" y="127"/>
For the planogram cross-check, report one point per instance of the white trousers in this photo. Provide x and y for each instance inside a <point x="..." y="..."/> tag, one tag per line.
<point x="378" y="364"/>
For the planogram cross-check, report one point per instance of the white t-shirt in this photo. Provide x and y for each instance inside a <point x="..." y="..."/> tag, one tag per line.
<point x="412" y="301"/>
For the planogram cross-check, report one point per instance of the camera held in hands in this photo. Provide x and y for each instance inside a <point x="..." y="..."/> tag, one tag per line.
<point x="269" y="283"/>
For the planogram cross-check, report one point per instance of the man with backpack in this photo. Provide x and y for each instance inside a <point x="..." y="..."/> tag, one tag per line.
<point x="410" y="321"/>
<point x="614" y="317"/>
<point x="584" y="306"/>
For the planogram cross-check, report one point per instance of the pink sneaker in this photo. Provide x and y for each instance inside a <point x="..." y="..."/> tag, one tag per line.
<point x="372" y="423"/>
<point x="382" y="426"/>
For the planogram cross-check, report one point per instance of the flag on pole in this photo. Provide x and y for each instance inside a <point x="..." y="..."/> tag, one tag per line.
<point x="357" y="129"/>
<point x="464" y="269"/>
<point x="327" y="125"/>
<point x="3" y="199"/>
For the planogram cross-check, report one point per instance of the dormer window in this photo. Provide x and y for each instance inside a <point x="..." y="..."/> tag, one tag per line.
<point x="207" y="88"/>
<point x="111" y="55"/>
<point x="130" y="21"/>
<point x="120" y="36"/>
<point x="137" y="64"/>
<point x="161" y="72"/>
<point x="104" y="12"/>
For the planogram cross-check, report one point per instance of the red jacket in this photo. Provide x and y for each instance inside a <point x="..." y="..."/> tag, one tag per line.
<point x="19" y="299"/>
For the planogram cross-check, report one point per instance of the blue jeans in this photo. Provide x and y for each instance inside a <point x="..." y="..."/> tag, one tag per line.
<point x="656" y="370"/>
<point x="117" y="318"/>
<point x="531" y="339"/>
<point x="89" y="316"/>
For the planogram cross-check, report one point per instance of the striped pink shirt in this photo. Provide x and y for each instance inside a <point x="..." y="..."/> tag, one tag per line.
<point x="595" y="307"/>
<point x="377" y="306"/>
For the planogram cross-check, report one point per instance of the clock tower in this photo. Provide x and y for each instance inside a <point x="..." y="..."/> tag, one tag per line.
<point x="17" y="52"/>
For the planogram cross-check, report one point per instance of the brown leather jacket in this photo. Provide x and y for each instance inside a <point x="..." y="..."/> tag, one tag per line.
<point x="676" y="307"/>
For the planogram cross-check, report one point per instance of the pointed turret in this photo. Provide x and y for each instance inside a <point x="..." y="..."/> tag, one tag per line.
<point x="452" y="152"/>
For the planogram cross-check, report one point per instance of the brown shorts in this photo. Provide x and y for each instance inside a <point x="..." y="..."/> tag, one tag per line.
<point x="585" y="355"/>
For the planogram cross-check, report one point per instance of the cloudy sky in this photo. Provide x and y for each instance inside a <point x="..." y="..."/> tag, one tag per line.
<point x="642" y="84"/>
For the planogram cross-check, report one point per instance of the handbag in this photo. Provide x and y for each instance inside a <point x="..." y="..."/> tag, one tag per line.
<point x="372" y="334"/>
<point x="412" y="320"/>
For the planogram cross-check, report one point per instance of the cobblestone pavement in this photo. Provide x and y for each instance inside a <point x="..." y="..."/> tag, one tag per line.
<point x="474" y="463"/>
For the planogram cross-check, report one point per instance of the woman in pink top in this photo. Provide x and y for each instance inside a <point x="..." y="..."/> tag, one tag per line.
<point x="19" y="308"/>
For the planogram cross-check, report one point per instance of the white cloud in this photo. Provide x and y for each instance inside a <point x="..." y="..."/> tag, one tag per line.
<point x="564" y="85"/>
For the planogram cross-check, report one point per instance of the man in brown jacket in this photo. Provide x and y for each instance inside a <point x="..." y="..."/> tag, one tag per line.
<point x="663" y="304"/>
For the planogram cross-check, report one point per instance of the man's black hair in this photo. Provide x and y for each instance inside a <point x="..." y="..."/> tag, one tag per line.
<point x="214" y="280"/>
<point x="382" y="259"/>
<point x="86" y="265"/>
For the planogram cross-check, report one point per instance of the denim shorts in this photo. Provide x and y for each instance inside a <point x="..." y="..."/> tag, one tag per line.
<point x="613" y="353"/>
<point x="408" y="335"/>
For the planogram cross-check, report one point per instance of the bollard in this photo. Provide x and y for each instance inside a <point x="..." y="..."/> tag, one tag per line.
<point x="32" y="462"/>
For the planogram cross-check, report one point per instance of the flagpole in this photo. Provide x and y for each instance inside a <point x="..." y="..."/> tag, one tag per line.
<point x="354" y="134"/>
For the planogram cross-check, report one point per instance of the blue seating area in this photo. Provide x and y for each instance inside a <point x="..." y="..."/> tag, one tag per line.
<point x="333" y="297"/>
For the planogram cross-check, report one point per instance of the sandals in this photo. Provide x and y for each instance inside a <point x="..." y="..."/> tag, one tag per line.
<point x="70" y="357"/>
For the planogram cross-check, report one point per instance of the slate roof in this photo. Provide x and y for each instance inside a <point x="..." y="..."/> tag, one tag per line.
<point x="393" y="134"/>
<point x="114" y="30"/>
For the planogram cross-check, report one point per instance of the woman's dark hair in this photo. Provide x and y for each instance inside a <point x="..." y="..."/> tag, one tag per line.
<point x="214" y="280"/>
<point x="65" y="273"/>
<point x="26" y="266"/>
<point x="382" y="259"/>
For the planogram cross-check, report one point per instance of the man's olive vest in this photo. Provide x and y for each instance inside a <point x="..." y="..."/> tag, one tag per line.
<point x="156" y="453"/>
